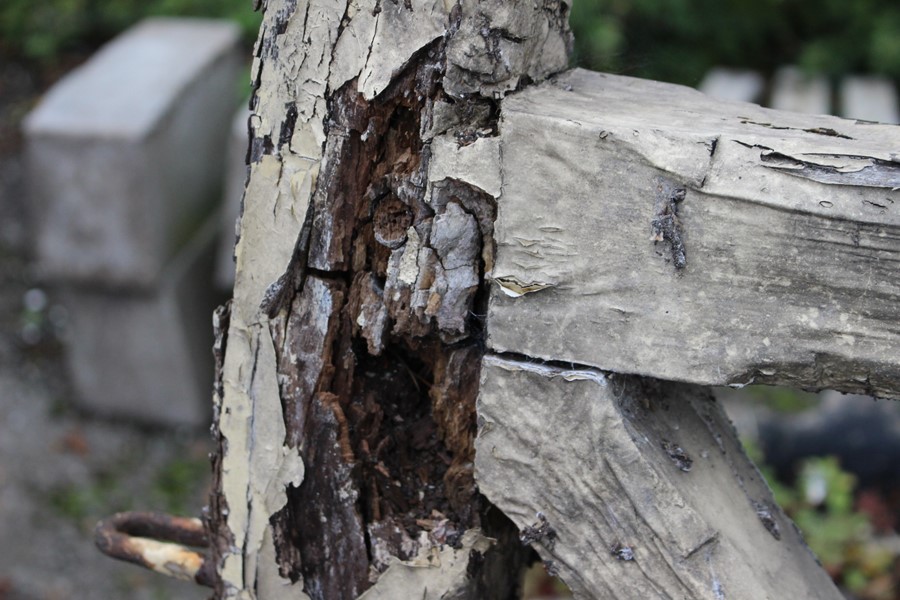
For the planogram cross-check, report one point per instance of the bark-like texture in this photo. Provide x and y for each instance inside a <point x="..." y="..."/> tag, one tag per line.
<point x="346" y="401"/>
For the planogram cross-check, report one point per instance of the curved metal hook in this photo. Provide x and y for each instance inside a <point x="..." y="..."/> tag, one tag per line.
<point x="158" y="542"/>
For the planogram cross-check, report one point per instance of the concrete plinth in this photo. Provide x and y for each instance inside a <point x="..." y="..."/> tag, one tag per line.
<point x="125" y="154"/>
<point x="148" y="356"/>
<point x="795" y="91"/>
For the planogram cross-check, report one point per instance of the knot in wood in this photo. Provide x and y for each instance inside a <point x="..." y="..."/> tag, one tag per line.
<point x="391" y="220"/>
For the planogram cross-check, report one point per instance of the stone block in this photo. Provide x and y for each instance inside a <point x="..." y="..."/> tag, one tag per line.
<point x="870" y="99"/>
<point x="796" y="91"/>
<point x="233" y="192"/>
<point x="148" y="356"/>
<point x="733" y="85"/>
<point x="125" y="154"/>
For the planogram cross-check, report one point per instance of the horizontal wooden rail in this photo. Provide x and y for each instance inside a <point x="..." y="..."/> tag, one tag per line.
<point x="646" y="228"/>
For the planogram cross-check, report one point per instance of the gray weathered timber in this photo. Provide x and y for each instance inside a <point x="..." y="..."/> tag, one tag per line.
<point x="634" y="488"/>
<point x="790" y="225"/>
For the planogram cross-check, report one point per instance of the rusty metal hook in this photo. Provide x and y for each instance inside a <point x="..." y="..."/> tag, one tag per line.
<point x="158" y="541"/>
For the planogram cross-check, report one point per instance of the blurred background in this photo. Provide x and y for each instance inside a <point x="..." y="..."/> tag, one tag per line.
<point x="82" y="435"/>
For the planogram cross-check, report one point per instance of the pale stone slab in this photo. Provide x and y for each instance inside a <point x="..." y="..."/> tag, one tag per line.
<point x="734" y="85"/>
<point x="795" y="91"/>
<point x="870" y="99"/>
<point x="790" y="225"/>
<point x="125" y="153"/>
<point x="147" y="356"/>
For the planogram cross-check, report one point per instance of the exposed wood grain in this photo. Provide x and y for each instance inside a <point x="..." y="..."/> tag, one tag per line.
<point x="790" y="227"/>
<point x="634" y="488"/>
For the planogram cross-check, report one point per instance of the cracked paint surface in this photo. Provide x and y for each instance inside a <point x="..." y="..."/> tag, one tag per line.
<point x="305" y="52"/>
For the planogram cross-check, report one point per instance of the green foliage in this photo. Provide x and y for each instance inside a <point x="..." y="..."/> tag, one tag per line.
<point x="177" y="484"/>
<point x="84" y="503"/>
<point x="783" y="399"/>
<point x="821" y="504"/>
<point x="42" y="31"/>
<point x="679" y="40"/>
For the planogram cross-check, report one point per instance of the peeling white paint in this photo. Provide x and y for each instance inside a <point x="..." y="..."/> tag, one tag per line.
<point x="409" y="267"/>
<point x="275" y="203"/>
<point x="436" y="573"/>
<point x="399" y="33"/>
<point x="353" y="46"/>
<point x="477" y="164"/>
<point x="516" y="288"/>
<point x="545" y="370"/>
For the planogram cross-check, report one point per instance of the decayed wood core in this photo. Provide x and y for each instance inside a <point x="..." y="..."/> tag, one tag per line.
<point x="378" y="371"/>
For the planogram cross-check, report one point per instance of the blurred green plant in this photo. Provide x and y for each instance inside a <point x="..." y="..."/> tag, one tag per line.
<point x="44" y="31"/>
<point x="178" y="484"/>
<point x="783" y="399"/>
<point x="821" y="503"/>
<point x="84" y="503"/>
<point x="679" y="40"/>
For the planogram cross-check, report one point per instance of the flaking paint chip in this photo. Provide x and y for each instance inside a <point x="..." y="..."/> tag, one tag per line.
<point x="516" y="288"/>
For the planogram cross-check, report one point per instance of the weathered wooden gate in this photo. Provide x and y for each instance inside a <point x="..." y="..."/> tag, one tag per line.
<point x="479" y="298"/>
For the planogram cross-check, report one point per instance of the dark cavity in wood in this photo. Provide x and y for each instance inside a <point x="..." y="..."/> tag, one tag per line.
<point x="666" y="226"/>
<point x="378" y="378"/>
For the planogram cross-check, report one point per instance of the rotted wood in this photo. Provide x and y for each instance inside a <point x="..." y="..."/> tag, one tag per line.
<point x="349" y="372"/>
<point x="433" y="285"/>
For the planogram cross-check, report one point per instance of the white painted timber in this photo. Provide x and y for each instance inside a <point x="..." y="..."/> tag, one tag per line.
<point x="791" y="228"/>
<point x="125" y="153"/>
<point x="870" y="98"/>
<point x="147" y="356"/>
<point x="735" y="85"/>
<point x="235" y="179"/>
<point x="794" y="90"/>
